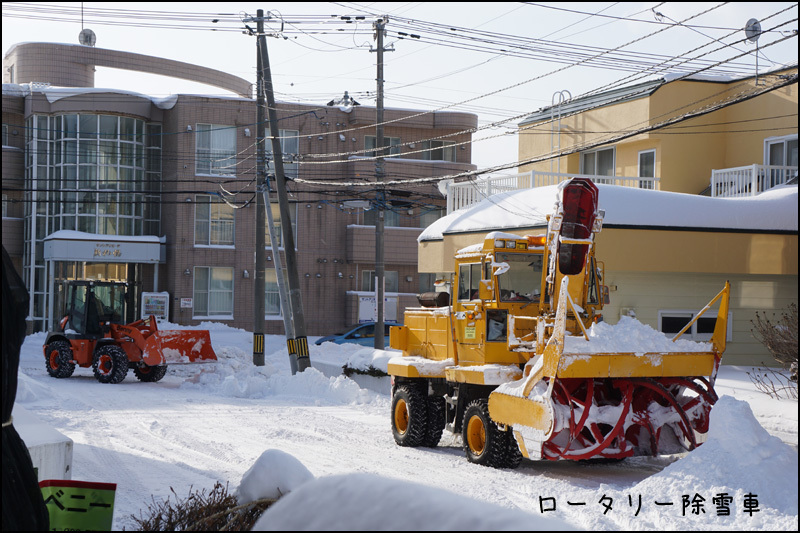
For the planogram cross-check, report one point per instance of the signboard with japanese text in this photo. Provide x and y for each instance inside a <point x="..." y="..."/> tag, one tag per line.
<point x="79" y="505"/>
<point x="155" y="303"/>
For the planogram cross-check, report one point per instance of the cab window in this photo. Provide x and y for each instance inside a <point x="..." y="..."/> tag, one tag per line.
<point x="522" y="281"/>
<point x="469" y="277"/>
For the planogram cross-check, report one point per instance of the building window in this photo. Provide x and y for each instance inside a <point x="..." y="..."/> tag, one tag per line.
<point x="389" y="277"/>
<point x="272" y="298"/>
<point x="427" y="282"/>
<point x="430" y="216"/>
<point x="390" y="218"/>
<point x="439" y="151"/>
<point x="599" y="163"/>
<point x="215" y="150"/>
<point x="781" y="151"/>
<point x="371" y="142"/>
<point x="276" y="221"/>
<point x="290" y="149"/>
<point x="213" y="222"/>
<point x="213" y="292"/>
<point x="672" y="322"/>
<point x="647" y="169"/>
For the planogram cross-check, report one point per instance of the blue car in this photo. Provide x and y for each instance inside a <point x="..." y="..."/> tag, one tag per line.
<point x="363" y="334"/>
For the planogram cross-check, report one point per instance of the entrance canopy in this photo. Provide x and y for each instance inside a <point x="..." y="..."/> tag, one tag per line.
<point x="68" y="245"/>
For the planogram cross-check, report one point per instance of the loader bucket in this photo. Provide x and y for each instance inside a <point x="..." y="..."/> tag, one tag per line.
<point x="176" y="347"/>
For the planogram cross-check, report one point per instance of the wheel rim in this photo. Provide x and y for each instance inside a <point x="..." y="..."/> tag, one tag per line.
<point x="476" y="435"/>
<point x="104" y="364"/>
<point x="54" y="359"/>
<point x="401" y="416"/>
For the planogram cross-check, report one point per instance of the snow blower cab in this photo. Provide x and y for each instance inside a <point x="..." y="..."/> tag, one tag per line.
<point x="92" y="333"/>
<point x="515" y="367"/>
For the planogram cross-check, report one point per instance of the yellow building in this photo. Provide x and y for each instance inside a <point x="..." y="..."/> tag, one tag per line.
<point x="689" y="128"/>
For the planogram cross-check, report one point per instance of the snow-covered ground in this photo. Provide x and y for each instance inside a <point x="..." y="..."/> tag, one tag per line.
<point x="327" y="442"/>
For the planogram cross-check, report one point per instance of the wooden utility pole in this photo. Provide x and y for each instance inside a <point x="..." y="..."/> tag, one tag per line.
<point x="380" y="194"/>
<point x="260" y="281"/>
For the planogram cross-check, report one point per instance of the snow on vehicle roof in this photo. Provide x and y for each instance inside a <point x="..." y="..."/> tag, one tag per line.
<point x="773" y="210"/>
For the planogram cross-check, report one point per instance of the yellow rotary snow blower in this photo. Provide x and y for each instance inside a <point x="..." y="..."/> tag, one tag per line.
<point x="512" y="365"/>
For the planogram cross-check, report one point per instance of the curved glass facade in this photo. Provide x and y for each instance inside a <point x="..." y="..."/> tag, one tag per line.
<point x="94" y="173"/>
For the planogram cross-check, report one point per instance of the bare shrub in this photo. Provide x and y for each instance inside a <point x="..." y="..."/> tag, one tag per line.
<point x="780" y="339"/>
<point x="775" y="383"/>
<point x="217" y="511"/>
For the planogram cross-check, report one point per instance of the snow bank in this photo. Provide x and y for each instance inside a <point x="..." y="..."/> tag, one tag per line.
<point x="274" y="474"/>
<point x="738" y="458"/>
<point x="365" y="358"/>
<point x="366" y="502"/>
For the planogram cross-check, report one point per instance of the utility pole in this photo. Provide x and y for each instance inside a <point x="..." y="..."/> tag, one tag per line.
<point x="296" y="340"/>
<point x="260" y="279"/>
<point x="380" y="194"/>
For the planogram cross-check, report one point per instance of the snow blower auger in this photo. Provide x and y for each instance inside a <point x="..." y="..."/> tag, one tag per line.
<point x="91" y="335"/>
<point x="521" y="364"/>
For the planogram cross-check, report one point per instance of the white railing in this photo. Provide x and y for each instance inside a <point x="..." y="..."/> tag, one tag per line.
<point x="749" y="180"/>
<point x="471" y="192"/>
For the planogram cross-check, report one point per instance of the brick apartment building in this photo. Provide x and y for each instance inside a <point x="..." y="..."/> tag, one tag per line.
<point x="159" y="192"/>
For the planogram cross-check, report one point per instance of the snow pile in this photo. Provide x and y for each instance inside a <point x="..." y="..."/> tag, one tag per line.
<point x="629" y="335"/>
<point x="738" y="458"/>
<point x="367" y="502"/>
<point x="274" y="474"/>
<point x="237" y="377"/>
<point x="367" y="358"/>
<point x="234" y="375"/>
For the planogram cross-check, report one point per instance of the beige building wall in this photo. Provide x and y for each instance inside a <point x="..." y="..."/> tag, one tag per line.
<point x="648" y="293"/>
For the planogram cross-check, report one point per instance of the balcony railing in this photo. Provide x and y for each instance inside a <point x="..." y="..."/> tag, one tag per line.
<point x="749" y="180"/>
<point x="467" y="193"/>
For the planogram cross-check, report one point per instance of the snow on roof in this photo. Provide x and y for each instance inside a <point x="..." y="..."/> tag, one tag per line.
<point x="54" y="94"/>
<point x="72" y="235"/>
<point x="773" y="210"/>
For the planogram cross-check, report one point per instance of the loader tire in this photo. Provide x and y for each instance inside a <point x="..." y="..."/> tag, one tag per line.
<point x="59" y="359"/>
<point x="437" y="419"/>
<point x="484" y="443"/>
<point x="409" y="416"/>
<point x="110" y="364"/>
<point x="149" y="374"/>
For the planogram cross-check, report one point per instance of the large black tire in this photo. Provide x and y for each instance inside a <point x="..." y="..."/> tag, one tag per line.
<point x="437" y="419"/>
<point x="513" y="455"/>
<point x="149" y="374"/>
<point x="110" y="364"/>
<point x="409" y="416"/>
<point x="58" y="359"/>
<point x="484" y="443"/>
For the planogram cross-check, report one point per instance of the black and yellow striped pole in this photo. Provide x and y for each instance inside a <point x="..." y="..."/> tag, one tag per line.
<point x="258" y="349"/>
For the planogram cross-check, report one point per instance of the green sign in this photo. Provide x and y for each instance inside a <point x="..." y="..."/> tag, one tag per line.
<point x="79" y="505"/>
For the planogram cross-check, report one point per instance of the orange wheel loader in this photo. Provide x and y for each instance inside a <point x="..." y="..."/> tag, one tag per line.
<point x="91" y="334"/>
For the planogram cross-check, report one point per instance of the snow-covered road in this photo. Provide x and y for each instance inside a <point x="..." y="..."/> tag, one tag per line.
<point x="203" y="424"/>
